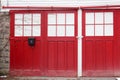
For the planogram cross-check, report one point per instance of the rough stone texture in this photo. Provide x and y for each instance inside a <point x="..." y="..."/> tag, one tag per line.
<point x="0" y="5"/>
<point x="4" y="43"/>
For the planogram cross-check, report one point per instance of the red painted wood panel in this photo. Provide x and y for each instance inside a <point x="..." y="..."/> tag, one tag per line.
<point x="70" y="56"/>
<point x="28" y="55"/>
<point x="61" y="58"/>
<point x="89" y="54"/>
<point x="19" y="54"/>
<point x="110" y="57"/>
<point x="37" y="56"/>
<point x="117" y="44"/>
<point x="52" y="56"/>
<point x="117" y="58"/>
<point x="99" y="55"/>
<point x="98" y="58"/>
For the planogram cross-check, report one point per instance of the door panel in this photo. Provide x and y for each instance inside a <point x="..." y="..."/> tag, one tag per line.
<point x="61" y="55"/>
<point x="37" y="56"/>
<point x="110" y="55"/>
<point x="98" y="43"/>
<point x="117" y="44"/>
<point x="28" y="59"/>
<point x="100" y="58"/>
<point x="52" y="56"/>
<point x="19" y="55"/>
<point x="90" y="51"/>
<point x="62" y="43"/>
<point x="70" y="55"/>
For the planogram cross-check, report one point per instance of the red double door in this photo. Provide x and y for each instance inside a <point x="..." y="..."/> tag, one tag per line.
<point x="55" y="49"/>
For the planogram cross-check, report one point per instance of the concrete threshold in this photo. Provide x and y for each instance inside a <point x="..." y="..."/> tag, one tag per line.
<point x="39" y="78"/>
<point x="98" y="78"/>
<point x="59" y="78"/>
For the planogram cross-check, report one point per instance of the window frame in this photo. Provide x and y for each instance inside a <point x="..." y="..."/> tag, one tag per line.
<point x="94" y="24"/>
<point x="58" y="25"/>
<point x="31" y="24"/>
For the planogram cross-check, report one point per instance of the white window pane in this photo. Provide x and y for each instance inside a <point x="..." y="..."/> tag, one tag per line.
<point x="60" y="30"/>
<point x="27" y="30"/>
<point x="69" y="30"/>
<point x="36" y="30"/>
<point x="108" y="30"/>
<point x="51" y="18"/>
<point x="108" y="17"/>
<point x="99" y="18"/>
<point x="69" y="18"/>
<point x="60" y="18"/>
<point x="51" y="30"/>
<point x="18" y="30"/>
<point x="89" y="18"/>
<point x="89" y="30"/>
<point x="99" y="30"/>
<point x="18" y="18"/>
<point x="27" y="18"/>
<point x="36" y="19"/>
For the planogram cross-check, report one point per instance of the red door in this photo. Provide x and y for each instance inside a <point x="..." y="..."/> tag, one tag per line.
<point x="98" y="42"/>
<point x="55" y="50"/>
<point x="117" y="43"/>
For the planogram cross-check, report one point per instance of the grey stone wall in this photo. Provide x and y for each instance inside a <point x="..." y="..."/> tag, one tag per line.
<point x="4" y="43"/>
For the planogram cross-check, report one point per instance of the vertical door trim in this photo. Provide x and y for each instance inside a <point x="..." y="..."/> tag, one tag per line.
<point x="79" y="42"/>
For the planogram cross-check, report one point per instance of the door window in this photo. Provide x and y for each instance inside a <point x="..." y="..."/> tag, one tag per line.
<point x="99" y="24"/>
<point x="27" y="24"/>
<point x="61" y="24"/>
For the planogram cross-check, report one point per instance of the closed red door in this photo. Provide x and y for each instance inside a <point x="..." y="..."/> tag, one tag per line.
<point x="55" y="50"/>
<point x="62" y="43"/>
<point x="98" y="43"/>
<point x="117" y="43"/>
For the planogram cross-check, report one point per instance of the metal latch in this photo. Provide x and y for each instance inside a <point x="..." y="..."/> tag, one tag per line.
<point x="79" y="37"/>
<point x="31" y="41"/>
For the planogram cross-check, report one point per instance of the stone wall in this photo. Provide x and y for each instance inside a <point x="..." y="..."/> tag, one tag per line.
<point x="4" y="43"/>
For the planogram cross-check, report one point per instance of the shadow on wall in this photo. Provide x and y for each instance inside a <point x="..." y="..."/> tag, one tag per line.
<point x="4" y="42"/>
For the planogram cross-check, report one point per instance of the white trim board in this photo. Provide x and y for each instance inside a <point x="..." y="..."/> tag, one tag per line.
<point x="79" y="42"/>
<point x="57" y="3"/>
